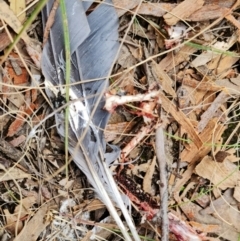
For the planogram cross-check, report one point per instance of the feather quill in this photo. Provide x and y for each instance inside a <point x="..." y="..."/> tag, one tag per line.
<point x="94" y="45"/>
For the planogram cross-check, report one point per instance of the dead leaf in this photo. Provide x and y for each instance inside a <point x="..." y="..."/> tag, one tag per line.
<point x="171" y="61"/>
<point x="181" y="119"/>
<point x="232" y="85"/>
<point x="210" y="55"/>
<point x="164" y="79"/>
<point x="155" y="9"/>
<point x="35" y="226"/>
<point x="201" y="85"/>
<point x="20" y="120"/>
<point x="16" y="71"/>
<point x="182" y="11"/>
<point x="65" y="183"/>
<point x="18" y="7"/>
<point x="236" y="193"/>
<point x="211" y="134"/>
<point x="221" y="222"/>
<point x="11" y="221"/>
<point x="210" y="112"/>
<point x="32" y="45"/>
<point x="114" y="131"/>
<point x="4" y="40"/>
<point x="18" y="140"/>
<point x="11" y="19"/>
<point x="147" y="180"/>
<point x="222" y="65"/>
<point x="221" y="156"/>
<point x="122" y="6"/>
<point x="14" y="219"/>
<point x="223" y="175"/>
<point x="12" y="173"/>
<point x="208" y="12"/>
<point x="46" y="193"/>
<point x="125" y="58"/>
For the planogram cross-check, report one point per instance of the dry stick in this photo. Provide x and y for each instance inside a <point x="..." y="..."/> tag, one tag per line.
<point x="209" y="113"/>
<point x="160" y="152"/>
<point x="50" y="21"/>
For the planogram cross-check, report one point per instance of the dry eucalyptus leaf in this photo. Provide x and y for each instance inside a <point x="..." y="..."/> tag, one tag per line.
<point x="208" y="12"/>
<point x="32" y="45"/>
<point x="182" y="11"/>
<point x="147" y="180"/>
<point x="236" y="193"/>
<point x="122" y="6"/>
<point x="12" y="174"/>
<point x="155" y="9"/>
<point x="164" y="79"/>
<point x="210" y="112"/>
<point x="18" y="7"/>
<point x="36" y="225"/>
<point x="223" y="175"/>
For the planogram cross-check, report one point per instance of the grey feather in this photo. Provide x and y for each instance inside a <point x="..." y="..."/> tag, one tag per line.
<point x="94" y="45"/>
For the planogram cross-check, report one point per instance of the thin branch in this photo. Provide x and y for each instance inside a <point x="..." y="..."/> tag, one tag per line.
<point x="160" y="152"/>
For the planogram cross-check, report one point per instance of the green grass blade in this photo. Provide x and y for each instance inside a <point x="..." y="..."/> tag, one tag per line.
<point x="67" y="74"/>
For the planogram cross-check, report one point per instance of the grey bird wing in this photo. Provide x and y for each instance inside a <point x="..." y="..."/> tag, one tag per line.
<point x="94" y="45"/>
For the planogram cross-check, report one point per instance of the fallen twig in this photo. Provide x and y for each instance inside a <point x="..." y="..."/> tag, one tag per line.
<point x="50" y="21"/>
<point x="160" y="152"/>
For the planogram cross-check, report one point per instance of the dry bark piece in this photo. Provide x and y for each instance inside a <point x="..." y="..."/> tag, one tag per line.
<point x="182" y="11"/>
